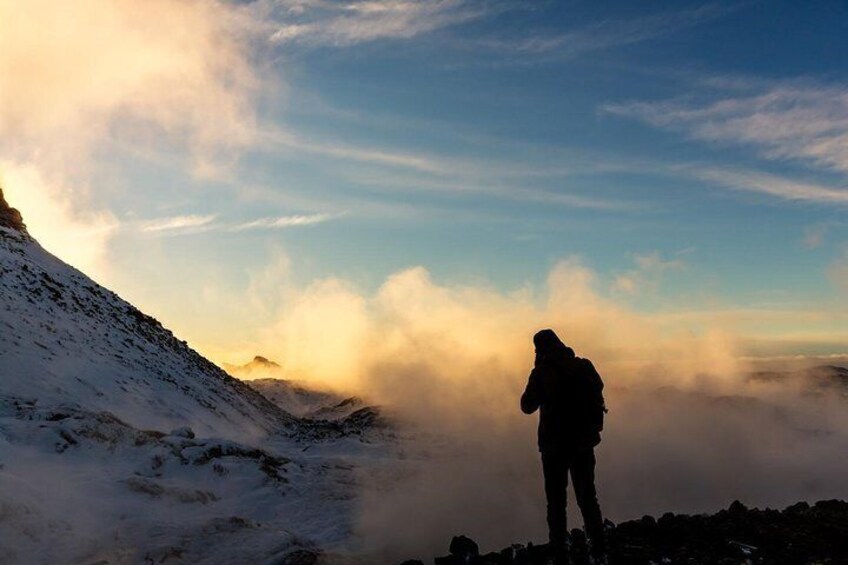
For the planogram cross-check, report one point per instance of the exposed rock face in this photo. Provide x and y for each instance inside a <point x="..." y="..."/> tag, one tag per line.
<point x="259" y="360"/>
<point x="10" y="217"/>
<point x="259" y="367"/>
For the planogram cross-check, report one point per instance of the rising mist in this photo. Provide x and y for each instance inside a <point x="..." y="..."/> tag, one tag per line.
<point x="688" y="429"/>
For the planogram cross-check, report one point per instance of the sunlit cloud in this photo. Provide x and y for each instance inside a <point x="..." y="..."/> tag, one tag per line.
<point x="172" y="68"/>
<point x="648" y="273"/>
<point x="178" y="223"/>
<point x="80" y="237"/>
<point x="283" y="222"/>
<point x="78" y="79"/>
<point x="316" y="23"/>
<point x="482" y="325"/>
<point x="457" y="329"/>
<point x="196" y="223"/>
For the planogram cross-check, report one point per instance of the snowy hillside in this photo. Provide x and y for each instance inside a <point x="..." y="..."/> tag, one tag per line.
<point x="66" y="339"/>
<point x="120" y="444"/>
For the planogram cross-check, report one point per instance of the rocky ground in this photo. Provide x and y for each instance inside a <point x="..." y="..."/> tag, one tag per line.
<point x="799" y="535"/>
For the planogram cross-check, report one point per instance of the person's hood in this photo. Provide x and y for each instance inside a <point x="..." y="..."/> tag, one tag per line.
<point x="548" y="342"/>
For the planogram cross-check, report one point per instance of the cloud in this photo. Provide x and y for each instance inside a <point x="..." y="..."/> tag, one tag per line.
<point x="686" y="431"/>
<point x="178" y="67"/>
<point x="480" y="324"/>
<point x="785" y="121"/>
<point x="197" y="223"/>
<point x="79" y="237"/>
<point x="285" y="222"/>
<point x="379" y="156"/>
<point x="82" y="79"/>
<point x="180" y="224"/>
<point x="315" y="23"/>
<point x="650" y="268"/>
<point x="606" y="34"/>
<point x="780" y="187"/>
<point x="491" y="184"/>
<point x="447" y="174"/>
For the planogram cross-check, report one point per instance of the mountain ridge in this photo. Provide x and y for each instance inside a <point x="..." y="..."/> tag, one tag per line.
<point x="103" y="353"/>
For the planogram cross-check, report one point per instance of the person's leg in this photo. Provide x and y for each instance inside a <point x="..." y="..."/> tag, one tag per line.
<point x="556" y="482"/>
<point x="583" y="475"/>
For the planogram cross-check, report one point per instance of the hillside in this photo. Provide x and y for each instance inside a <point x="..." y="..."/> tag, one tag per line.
<point x="120" y="444"/>
<point x="67" y="339"/>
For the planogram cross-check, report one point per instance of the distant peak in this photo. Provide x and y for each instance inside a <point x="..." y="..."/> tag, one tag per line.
<point x="259" y="360"/>
<point x="10" y="217"/>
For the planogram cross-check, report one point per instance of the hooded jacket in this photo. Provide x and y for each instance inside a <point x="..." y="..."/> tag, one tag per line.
<point x="568" y="392"/>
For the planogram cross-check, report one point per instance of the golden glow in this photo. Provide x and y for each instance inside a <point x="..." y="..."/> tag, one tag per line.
<point x="332" y="334"/>
<point x="79" y="240"/>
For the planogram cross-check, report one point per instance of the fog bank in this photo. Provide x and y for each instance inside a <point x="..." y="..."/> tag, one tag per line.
<point x="687" y="431"/>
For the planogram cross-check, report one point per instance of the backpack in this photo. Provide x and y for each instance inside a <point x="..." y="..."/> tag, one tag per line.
<point x="597" y="407"/>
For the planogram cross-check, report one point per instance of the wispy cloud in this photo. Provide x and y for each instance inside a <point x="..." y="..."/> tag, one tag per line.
<point x="450" y="174"/>
<point x="788" y="121"/>
<point x="649" y="271"/>
<point x="179" y="223"/>
<point x="195" y="223"/>
<point x="493" y="187"/>
<point x="418" y="162"/>
<point x="604" y="34"/>
<point x="282" y="222"/>
<point x="781" y="187"/>
<point x="319" y="23"/>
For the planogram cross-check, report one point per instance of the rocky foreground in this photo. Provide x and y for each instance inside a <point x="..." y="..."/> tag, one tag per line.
<point x="799" y="535"/>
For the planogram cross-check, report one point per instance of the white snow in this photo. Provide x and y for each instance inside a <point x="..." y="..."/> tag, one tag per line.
<point x="120" y="444"/>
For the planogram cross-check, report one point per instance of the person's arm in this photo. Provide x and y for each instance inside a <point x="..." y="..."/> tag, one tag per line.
<point x="532" y="397"/>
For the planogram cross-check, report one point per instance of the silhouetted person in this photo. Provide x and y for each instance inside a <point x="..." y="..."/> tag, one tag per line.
<point x="568" y="392"/>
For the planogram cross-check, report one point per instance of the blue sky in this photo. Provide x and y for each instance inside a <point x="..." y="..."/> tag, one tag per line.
<point x="525" y="162"/>
<point x="693" y="155"/>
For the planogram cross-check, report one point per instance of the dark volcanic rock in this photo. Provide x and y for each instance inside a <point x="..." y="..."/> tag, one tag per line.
<point x="464" y="547"/>
<point x="800" y="534"/>
<point x="10" y="217"/>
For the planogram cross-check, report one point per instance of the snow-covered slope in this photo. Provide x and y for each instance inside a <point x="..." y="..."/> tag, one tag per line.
<point x="120" y="444"/>
<point x="64" y="338"/>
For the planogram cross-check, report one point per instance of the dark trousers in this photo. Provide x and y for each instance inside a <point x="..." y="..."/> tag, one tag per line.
<point x="581" y="464"/>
